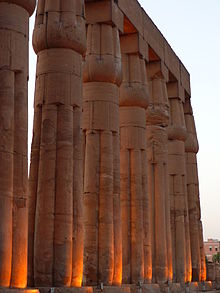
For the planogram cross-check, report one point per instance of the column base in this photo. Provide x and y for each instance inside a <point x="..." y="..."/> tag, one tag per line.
<point x="13" y="290"/>
<point x="217" y="285"/>
<point x="145" y="288"/>
<point x="205" y="286"/>
<point x="151" y="288"/>
<point x="192" y="287"/>
<point x="172" y="288"/>
<point x="112" y="289"/>
<point x="65" y="290"/>
<point x="175" y="288"/>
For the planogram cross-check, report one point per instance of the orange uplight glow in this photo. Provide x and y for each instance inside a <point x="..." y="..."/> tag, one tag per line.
<point x="148" y="274"/>
<point x="117" y="279"/>
<point x="203" y="274"/>
<point x="189" y="276"/>
<point x="77" y="276"/>
<point x="170" y="274"/>
<point x="203" y="270"/>
<point x="196" y="284"/>
<point x="77" y="282"/>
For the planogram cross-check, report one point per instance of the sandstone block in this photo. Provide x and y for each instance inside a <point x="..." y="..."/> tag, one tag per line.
<point x="5" y="290"/>
<point x="176" y="147"/>
<point x="157" y="69"/>
<point x="14" y="18"/>
<point x="205" y="286"/>
<point x="134" y="44"/>
<point x="134" y="13"/>
<point x="153" y="37"/>
<point x="103" y="56"/>
<point x="172" y="61"/>
<point x="151" y="288"/>
<point x="65" y="290"/>
<point x="104" y="12"/>
<point x="185" y="78"/>
<point x="113" y="289"/>
<point x="175" y="90"/>
<point x="63" y="29"/>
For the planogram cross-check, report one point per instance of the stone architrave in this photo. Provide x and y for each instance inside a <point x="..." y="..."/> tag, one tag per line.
<point x="157" y="117"/>
<point x="177" y="186"/>
<point x="191" y="149"/>
<point x="102" y="78"/>
<point x="135" y="209"/>
<point x="56" y="172"/>
<point x="14" y="31"/>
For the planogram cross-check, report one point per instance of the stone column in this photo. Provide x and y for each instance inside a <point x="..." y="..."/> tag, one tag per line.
<point x="202" y="253"/>
<point x="196" y="231"/>
<point x="177" y="182"/>
<point x="191" y="149"/>
<point x="14" y="31"/>
<point x="135" y="208"/>
<point x="102" y="78"/>
<point x="157" y="155"/>
<point x="55" y="212"/>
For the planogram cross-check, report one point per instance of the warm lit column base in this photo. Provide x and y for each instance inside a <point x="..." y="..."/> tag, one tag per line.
<point x="96" y="289"/>
<point x="147" y="288"/>
<point x="7" y="290"/>
<point x="126" y="288"/>
<point x="206" y="286"/>
<point x="61" y="290"/>
<point x="112" y="289"/>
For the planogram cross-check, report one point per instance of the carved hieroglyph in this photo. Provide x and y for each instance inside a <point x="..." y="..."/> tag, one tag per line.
<point x="14" y="29"/>
<point x="56" y="173"/>
<point x="135" y="207"/>
<point x="158" y="189"/>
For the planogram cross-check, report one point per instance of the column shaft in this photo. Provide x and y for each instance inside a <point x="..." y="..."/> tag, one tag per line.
<point x="134" y="198"/>
<point x="20" y="184"/>
<point x="13" y="141"/>
<point x="137" y="247"/>
<point x="6" y="174"/>
<point x="55" y="214"/>
<point x="106" y="237"/>
<point x="157" y="143"/>
<point x="91" y="206"/>
<point x="147" y="222"/>
<point x="191" y="149"/>
<point x="102" y="76"/>
<point x="125" y="195"/>
<point x="117" y="212"/>
<point x="178" y="193"/>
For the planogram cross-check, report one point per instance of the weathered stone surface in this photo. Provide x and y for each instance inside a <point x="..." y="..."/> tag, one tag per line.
<point x="14" y="26"/>
<point x="132" y="213"/>
<point x="6" y="290"/>
<point x="133" y="173"/>
<point x="205" y="286"/>
<point x="113" y="289"/>
<point x="65" y="290"/>
<point x="56" y="173"/>
<point x="191" y="149"/>
<point x="177" y="180"/>
<point x="157" y="117"/>
<point x="102" y="219"/>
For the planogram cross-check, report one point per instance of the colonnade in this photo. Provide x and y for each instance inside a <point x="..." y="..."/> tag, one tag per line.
<point x="113" y="187"/>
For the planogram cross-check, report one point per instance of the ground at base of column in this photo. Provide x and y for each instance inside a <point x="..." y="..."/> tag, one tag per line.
<point x="8" y="290"/>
